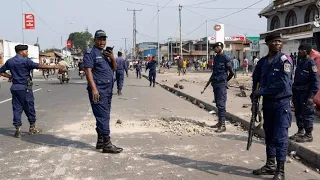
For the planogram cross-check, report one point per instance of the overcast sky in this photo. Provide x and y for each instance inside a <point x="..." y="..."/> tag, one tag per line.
<point x="56" y="18"/>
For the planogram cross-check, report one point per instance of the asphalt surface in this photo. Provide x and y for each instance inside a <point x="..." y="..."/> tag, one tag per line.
<point x="159" y="133"/>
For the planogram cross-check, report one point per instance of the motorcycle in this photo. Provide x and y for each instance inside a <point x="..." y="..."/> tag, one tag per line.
<point x="46" y="74"/>
<point x="81" y="74"/>
<point x="63" y="77"/>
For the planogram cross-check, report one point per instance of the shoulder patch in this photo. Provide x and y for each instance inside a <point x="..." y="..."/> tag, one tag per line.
<point x="89" y="50"/>
<point x="287" y="67"/>
<point x="314" y="68"/>
<point x="284" y="58"/>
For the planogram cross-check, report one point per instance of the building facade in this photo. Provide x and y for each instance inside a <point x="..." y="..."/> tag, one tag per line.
<point x="294" y="20"/>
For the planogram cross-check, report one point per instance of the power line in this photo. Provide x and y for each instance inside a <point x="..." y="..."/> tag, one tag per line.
<point x="220" y="22"/>
<point x="237" y="11"/>
<point x="221" y="8"/>
<point x="41" y="18"/>
<point x="199" y="3"/>
<point x="195" y="29"/>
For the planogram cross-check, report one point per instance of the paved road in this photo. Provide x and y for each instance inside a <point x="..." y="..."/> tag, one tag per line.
<point x="159" y="133"/>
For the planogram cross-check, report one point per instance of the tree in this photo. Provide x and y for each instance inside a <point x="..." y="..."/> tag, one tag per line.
<point x="81" y="40"/>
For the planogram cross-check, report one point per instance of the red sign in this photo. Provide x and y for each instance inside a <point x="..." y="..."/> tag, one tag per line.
<point x="29" y="21"/>
<point x="69" y="44"/>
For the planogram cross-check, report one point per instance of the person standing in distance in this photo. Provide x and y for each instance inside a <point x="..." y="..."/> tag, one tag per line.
<point x="121" y="67"/>
<point x="222" y="73"/>
<point x="138" y="69"/>
<point x="152" y="66"/>
<point x="272" y="79"/>
<point x="99" y="69"/>
<point x="20" y="68"/>
<point x="305" y="87"/>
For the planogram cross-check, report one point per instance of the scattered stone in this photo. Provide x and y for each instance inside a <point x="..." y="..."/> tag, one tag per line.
<point x="201" y="106"/>
<point x="181" y="87"/>
<point x="176" y="85"/>
<point x="37" y="84"/>
<point x="297" y="157"/>
<point x="293" y="153"/>
<point x="317" y="170"/>
<point x="119" y="121"/>
<point x="289" y="160"/>
<point x="194" y="102"/>
<point x="212" y="112"/>
<point x="245" y="106"/>
<point x="306" y="170"/>
<point x="49" y="90"/>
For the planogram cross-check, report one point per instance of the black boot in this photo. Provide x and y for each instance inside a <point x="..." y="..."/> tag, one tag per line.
<point x="216" y="125"/>
<point x="18" y="132"/>
<point x="34" y="130"/>
<point x="300" y="133"/>
<point x="99" y="142"/>
<point x="119" y="92"/>
<point x="280" y="172"/>
<point x="108" y="147"/>
<point x="268" y="169"/>
<point x="150" y="83"/>
<point x="221" y="128"/>
<point x="154" y="84"/>
<point x="305" y="138"/>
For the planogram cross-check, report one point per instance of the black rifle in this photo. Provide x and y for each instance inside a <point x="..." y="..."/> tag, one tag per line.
<point x="255" y="112"/>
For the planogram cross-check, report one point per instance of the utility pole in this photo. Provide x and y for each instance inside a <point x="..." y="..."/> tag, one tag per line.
<point x="207" y="41"/>
<point x="169" y="49"/>
<point x="125" y="45"/>
<point x="180" y="8"/>
<point x="158" y="26"/>
<point x="134" y="31"/>
<point x="22" y="28"/>
<point x="61" y="45"/>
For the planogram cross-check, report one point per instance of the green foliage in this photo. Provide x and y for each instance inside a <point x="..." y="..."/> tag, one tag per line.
<point x="81" y="40"/>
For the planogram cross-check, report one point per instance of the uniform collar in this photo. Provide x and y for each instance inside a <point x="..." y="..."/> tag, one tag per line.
<point x="19" y="56"/>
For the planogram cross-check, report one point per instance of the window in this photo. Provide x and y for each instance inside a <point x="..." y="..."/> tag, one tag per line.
<point x="275" y="23"/>
<point x="311" y="12"/>
<point x="291" y="19"/>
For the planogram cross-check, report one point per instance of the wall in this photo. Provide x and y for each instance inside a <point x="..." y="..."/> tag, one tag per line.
<point x="300" y="13"/>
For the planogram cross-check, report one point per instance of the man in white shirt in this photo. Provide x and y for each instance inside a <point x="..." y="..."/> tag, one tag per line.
<point x="255" y="62"/>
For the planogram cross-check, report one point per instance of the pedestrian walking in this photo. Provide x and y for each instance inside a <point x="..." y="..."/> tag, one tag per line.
<point x="272" y="79"/>
<point x="121" y="68"/>
<point x="235" y="66"/>
<point x="180" y="66"/>
<point x="152" y="66"/>
<point x="20" y="68"/>
<point x="305" y="87"/>
<point x="222" y="73"/>
<point x="245" y="66"/>
<point x="138" y="69"/>
<point x="99" y="68"/>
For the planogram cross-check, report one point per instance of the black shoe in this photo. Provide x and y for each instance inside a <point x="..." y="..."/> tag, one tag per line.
<point x="268" y="169"/>
<point x="119" y="92"/>
<point x="140" y="77"/>
<point x="34" y="130"/>
<point x="221" y="128"/>
<point x="305" y="138"/>
<point x="108" y="147"/>
<point x="300" y="133"/>
<point x="216" y="125"/>
<point x="18" y="132"/>
<point x="150" y="84"/>
<point x="280" y="172"/>
<point x="154" y="84"/>
<point x="99" y="142"/>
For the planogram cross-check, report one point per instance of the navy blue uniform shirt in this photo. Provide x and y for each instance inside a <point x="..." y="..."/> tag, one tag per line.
<point x="152" y="65"/>
<point x="306" y="77"/>
<point x="121" y="64"/>
<point x="274" y="76"/>
<point x="101" y="67"/>
<point x="220" y="68"/>
<point x="20" y="68"/>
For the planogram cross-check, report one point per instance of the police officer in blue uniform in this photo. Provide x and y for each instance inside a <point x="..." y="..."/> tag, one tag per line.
<point x="99" y="68"/>
<point x="222" y="73"/>
<point x="305" y="87"/>
<point x="272" y="79"/>
<point x="138" y="69"/>
<point x="20" y="68"/>
<point x="121" y="67"/>
<point x="152" y="66"/>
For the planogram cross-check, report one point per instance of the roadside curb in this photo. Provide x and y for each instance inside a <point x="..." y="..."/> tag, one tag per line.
<point x="307" y="155"/>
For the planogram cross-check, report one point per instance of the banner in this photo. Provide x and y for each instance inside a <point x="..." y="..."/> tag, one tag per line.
<point x="29" y="21"/>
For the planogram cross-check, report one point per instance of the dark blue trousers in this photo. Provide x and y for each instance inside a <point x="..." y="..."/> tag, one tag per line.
<point x="23" y="101"/>
<point x="152" y="76"/>
<point x="220" y="96"/>
<point x="101" y="110"/>
<point x="304" y="113"/>
<point x="138" y="72"/>
<point x="120" y="78"/>
<point x="277" y="120"/>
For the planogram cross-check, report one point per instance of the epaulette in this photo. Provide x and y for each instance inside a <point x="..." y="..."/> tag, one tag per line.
<point x="89" y="51"/>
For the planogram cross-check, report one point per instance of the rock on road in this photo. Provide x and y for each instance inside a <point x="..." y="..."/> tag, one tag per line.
<point x="163" y="136"/>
